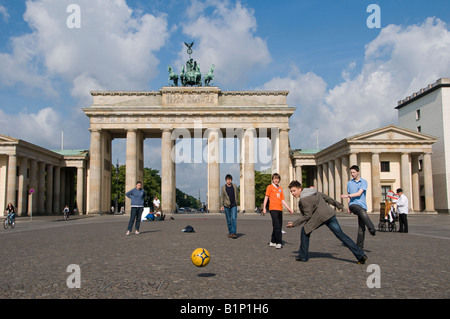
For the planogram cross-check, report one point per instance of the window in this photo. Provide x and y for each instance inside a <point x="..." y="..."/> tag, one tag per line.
<point x="385" y="166"/>
<point x="417" y="115"/>
<point x="384" y="192"/>
<point x="419" y="129"/>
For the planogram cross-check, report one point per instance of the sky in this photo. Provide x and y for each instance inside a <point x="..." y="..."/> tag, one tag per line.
<point x="345" y="66"/>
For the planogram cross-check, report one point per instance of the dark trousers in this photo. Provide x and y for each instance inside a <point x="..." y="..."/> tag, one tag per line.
<point x="277" y="222"/>
<point x="403" y="220"/>
<point x="335" y="228"/>
<point x="363" y="222"/>
<point x="136" y="213"/>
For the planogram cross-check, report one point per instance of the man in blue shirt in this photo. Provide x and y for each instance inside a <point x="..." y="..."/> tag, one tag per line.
<point x="356" y="189"/>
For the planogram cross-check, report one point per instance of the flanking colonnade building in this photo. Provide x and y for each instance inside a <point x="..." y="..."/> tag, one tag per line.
<point x="390" y="157"/>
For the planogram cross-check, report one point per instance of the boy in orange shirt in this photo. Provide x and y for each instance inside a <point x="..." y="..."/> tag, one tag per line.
<point x="275" y="196"/>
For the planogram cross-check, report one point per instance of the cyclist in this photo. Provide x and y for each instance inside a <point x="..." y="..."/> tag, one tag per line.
<point x="66" y="211"/>
<point x="11" y="213"/>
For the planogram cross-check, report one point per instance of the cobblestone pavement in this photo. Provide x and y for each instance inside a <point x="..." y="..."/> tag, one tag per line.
<point x="156" y="263"/>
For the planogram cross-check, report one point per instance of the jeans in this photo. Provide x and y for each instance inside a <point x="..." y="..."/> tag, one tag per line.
<point x="136" y="213"/>
<point x="231" y="214"/>
<point x="363" y="222"/>
<point x="277" y="221"/>
<point x="334" y="226"/>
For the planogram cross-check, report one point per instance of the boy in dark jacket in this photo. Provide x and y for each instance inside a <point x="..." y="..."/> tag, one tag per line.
<point x="315" y="213"/>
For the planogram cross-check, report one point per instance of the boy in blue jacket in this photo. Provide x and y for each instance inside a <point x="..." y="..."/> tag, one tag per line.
<point x="137" y="196"/>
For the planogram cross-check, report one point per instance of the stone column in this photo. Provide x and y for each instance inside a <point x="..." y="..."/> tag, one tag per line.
<point x="131" y="166"/>
<point x="167" y="172"/>
<point x="248" y="171"/>
<point x="298" y="177"/>
<point x="331" y="179"/>
<point x="12" y="180"/>
<point x="337" y="180"/>
<point x="325" y="178"/>
<point x="320" y="178"/>
<point x="57" y="190"/>
<point x="49" y="190"/>
<point x="22" y="194"/>
<point x="406" y="175"/>
<point x="415" y="183"/>
<point x="80" y="190"/>
<point x="428" y="183"/>
<point x="345" y="179"/>
<point x="214" y="170"/>
<point x="376" y="183"/>
<point x="353" y="159"/>
<point x="284" y="162"/>
<point x="32" y="198"/>
<point x="95" y="173"/>
<point x="63" y="188"/>
<point x="41" y="189"/>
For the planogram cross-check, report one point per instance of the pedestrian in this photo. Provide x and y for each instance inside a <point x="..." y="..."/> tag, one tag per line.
<point x="402" y="210"/>
<point x="156" y="204"/>
<point x="275" y="197"/>
<point x="356" y="189"/>
<point x="316" y="212"/>
<point x="137" y="196"/>
<point x="228" y="203"/>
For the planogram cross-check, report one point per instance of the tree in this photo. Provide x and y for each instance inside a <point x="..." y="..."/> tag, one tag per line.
<point x="152" y="186"/>
<point x="261" y="183"/>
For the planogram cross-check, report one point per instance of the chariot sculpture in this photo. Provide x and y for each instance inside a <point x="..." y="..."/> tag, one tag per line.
<point x="190" y="73"/>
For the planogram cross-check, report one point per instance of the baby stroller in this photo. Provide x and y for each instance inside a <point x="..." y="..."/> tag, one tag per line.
<point x="388" y="217"/>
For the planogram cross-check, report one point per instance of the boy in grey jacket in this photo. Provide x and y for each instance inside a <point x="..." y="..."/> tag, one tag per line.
<point x="315" y="210"/>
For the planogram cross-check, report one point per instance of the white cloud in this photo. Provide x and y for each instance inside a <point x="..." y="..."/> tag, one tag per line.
<point x="400" y="61"/>
<point x="226" y="38"/>
<point x="4" y="13"/>
<point x="44" y="125"/>
<point x="113" y="49"/>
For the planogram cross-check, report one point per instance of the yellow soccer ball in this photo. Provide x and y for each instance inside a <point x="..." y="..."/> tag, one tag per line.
<point x="200" y="257"/>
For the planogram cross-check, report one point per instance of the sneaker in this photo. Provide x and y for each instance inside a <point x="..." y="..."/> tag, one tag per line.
<point x="362" y="260"/>
<point x="278" y="246"/>
<point x="234" y="236"/>
<point x="373" y="232"/>
<point x="300" y="259"/>
<point x="272" y="244"/>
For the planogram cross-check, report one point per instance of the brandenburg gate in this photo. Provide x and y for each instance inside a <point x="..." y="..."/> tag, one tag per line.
<point x="176" y="112"/>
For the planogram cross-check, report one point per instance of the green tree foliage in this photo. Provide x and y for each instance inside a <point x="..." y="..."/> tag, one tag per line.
<point x="185" y="200"/>
<point x="261" y="183"/>
<point x="152" y="186"/>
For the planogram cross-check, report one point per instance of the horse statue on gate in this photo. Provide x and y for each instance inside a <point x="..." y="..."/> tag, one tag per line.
<point x="209" y="77"/>
<point x="172" y="76"/>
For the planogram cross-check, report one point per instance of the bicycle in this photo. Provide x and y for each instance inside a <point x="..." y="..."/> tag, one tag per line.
<point x="66" y="214"/>
<point x="9" y="221"/>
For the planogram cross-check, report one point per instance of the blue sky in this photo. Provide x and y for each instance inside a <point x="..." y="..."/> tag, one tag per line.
<point x="344" y="78"/>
